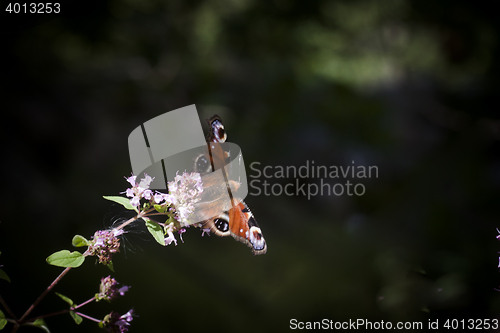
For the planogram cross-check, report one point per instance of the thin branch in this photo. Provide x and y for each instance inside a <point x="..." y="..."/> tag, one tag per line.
<point x="124" y="224"/>
<point x="62" y="311"/>
<point x="7" y="309"/>
<point x="88" y="317"/>
<point x="82" y="304"/>
<point x="153" y="214"/>
<point x="15" y="328"/>
<point x="46" y="291"/>
<point x="49" y="315"/>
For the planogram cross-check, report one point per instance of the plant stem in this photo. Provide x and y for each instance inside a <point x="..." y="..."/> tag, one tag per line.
<point x="124" y="224"/>
<point x="138" y="216"/>
<point x="7" y="308"/>
<point x="82" y="304"/>
<point x="15" y="328"/>
<point x="46" y="291"/>
<point x="64" y="311"/>
<point x="88" y="317"/>
<point x="49" y="315"/>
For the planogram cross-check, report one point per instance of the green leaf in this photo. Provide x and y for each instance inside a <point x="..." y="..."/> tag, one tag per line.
<point x="3" y="321"/>
<point x="65" y="258"/>
<point x="66" y="299"/>
<point x="76" y="317"/>
<point x="4" y="275"/>
<point x="156" y="230"/>
<point x="39" y="323"/>
<point x="161" y="208"/>
<point x="110" y="266"/>
<point x="79" y="241"/>
<point x="121" y="200"/>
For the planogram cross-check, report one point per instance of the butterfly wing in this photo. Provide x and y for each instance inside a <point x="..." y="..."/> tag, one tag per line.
<point x="237" y="221"/>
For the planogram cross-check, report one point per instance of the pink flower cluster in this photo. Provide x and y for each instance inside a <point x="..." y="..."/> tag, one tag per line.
<point x="115" y="323"/>
<point x="139" y="190"/>
<point x="104" y="244"/>
<point x="109" y="290"/>
<point x="185" y="191"/>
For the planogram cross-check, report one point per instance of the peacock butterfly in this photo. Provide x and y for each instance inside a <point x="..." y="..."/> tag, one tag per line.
<point x="238" y="221"/>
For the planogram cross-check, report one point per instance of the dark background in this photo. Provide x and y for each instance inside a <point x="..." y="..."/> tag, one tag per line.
<point x="408" y="86"/>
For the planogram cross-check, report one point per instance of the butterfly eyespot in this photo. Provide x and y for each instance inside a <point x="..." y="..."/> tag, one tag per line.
<point x="201" y="164"/>
<point x="222" y="133"/>
<point x="218" y="132"/>
<point x="221" y="225"/>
